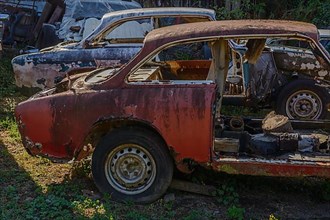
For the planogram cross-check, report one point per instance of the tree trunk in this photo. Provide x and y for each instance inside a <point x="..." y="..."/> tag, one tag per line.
<point x="232" y="4"/>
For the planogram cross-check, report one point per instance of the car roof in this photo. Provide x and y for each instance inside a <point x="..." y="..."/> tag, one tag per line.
<point x="229" y="28"/>
<point x="324" y="33"/>
<point x="116" y="16"/>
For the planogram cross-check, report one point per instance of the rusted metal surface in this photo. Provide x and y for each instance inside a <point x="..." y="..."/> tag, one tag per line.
<point x="45" y="68"/>
<point x="215" y="29"/>
<point x="67" y="118"/>
<point x="300" y="61"/>
<point x="241" y="28"/>
<point x="60" y="123"/>
<point x="268" y="167"/>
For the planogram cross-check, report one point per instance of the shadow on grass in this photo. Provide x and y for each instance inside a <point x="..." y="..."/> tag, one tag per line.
<point x="35" y="188"/>
<point x="21" y="197"/>
<point x="261" y="196"/>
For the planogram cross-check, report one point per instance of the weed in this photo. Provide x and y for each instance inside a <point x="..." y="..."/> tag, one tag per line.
<point x="229" y="110"/>
<point x="88" y="207"/>
<point x="135" y="215"/>
<point x="7" y="85"/>
<point x="321" y="192"/>
<point x="197" y="215"/>
<point x="169" y="212"/>
<point x="47" y="207"/>
<point x="235" y="212"/>
<point x="9" y="124"/>
<point x="272" y="217"/>
<point x="81" y="169"/>
<point x="227" y="195"/>
<point x="326" y="191"/>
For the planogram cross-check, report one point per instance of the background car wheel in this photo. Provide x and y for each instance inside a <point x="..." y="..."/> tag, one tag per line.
<point x="302" y="99"/>
<point x="132" y="164"/>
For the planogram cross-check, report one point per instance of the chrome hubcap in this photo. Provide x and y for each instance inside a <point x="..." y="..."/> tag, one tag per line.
<point x="130" y="169"/>
<point x="304" y="105"/>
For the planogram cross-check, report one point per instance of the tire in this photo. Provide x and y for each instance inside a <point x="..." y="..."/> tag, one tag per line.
<point x="132" y="164"/>
<point x="302" y="99"/>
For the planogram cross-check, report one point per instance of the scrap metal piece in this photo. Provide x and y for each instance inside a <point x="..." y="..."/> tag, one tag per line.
<point x="276" y="123"/>
<point x="229" y="145"/>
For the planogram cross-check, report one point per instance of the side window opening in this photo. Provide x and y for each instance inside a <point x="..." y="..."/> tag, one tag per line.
<point x="181" y="62"/>
<point x="169" y="21"/>
<point x="131" y="31"/>
<point x="135" y="29"/>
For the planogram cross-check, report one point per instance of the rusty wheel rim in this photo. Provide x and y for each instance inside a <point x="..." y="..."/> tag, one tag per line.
<point x="304" y="104"/>
<point x="130" y="169"/>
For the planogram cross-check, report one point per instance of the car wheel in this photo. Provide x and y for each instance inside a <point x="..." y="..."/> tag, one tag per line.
<point x="302" y="99"/>
<point x="132" y="164"/>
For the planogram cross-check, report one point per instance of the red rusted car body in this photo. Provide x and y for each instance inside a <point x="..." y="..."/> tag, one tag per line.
<point x="182" y="113"/>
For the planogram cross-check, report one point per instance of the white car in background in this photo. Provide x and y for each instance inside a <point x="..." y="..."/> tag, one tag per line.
<point x="325" y="38"/>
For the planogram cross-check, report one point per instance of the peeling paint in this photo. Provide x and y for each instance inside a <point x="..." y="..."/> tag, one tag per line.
<point x="309" y="66"/>
<point x="53" y="64"/>
<point x="181" y="113"/>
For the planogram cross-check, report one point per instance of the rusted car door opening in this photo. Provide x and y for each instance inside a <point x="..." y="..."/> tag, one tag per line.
<point x="179" y="84"/>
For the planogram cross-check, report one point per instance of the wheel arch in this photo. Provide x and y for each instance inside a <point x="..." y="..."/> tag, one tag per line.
<point x="104" y="126"/>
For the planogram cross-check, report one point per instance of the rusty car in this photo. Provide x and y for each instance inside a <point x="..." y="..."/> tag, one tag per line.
<point x="288" y="79"/>
<point x="157" y="113"/>
<point x="114" y="41"/>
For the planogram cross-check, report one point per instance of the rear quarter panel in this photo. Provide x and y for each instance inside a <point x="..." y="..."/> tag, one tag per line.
<point x="182" y="114"/>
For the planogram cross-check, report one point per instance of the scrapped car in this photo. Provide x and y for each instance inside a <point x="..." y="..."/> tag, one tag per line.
<point x="288" y="77"/>
<point x="157" y="112"/>
<point x="42" y="23"/>
<point x="114" y="42"/>
<point x="79" y="19"/>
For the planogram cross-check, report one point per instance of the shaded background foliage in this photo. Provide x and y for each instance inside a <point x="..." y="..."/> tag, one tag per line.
<point x="315" y="11"/>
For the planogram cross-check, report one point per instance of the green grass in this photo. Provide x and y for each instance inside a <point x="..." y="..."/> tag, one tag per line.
<point x="7" y="85"/>
<point x="8" y="124"/>
<point x="235" y="212"/>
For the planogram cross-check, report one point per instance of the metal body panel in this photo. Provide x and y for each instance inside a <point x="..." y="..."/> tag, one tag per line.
<point x="43" y="70"/>
<point x="231" y="28"/>
<point x="302" y="62"/>
<point x="60" y="123"/>
<point x="272" y="168"/>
